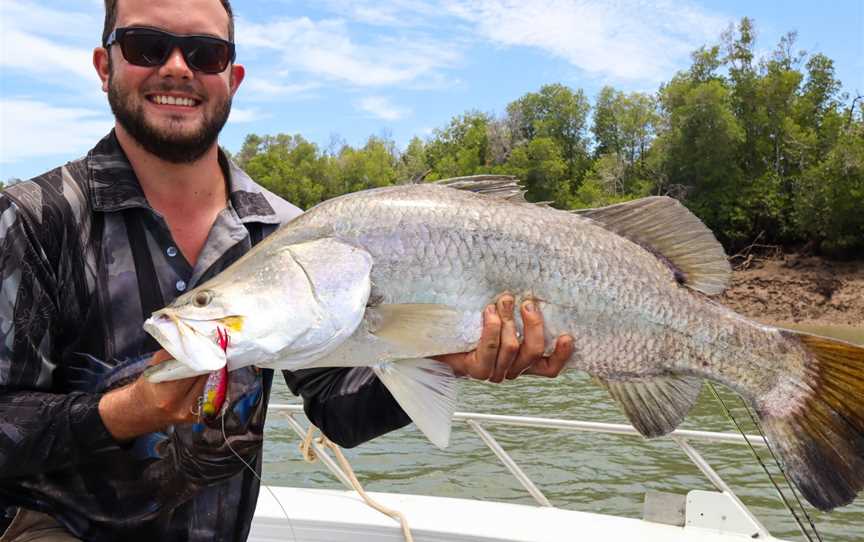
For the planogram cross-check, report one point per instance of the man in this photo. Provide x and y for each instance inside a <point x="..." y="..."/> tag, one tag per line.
<point x="88" y="449"/>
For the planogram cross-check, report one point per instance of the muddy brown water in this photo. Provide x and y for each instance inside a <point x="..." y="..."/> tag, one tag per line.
<point x="580" y="471"/>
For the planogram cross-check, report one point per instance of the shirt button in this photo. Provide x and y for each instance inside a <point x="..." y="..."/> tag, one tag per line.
<point x="171" y="251"/>
<point x="181" y="285"/>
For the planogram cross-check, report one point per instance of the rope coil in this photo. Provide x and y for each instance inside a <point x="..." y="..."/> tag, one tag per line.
<point x="310" y="456"/>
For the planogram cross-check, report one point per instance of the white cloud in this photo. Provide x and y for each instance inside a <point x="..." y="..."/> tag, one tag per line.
<point x="619" y="40"/>
<point x="624" y="40"/>
<point x="392" y="13"/>
<point x="31" y="128"/>
<point x="33" y="17"/>
<point x="380" y="107"/>
<point x="326" y="49"/>
<point x="257" y="88"/>
<point x="239" y="114"/>
<point x="35" y="55"/>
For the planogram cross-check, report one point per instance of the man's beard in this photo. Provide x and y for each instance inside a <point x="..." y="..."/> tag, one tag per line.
<point x="176" y="148"/>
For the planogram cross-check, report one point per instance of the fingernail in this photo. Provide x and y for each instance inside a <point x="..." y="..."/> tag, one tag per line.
<point x="529" y="306"/>
<point x="507" y="304"/>
<point x="490" y="310"/>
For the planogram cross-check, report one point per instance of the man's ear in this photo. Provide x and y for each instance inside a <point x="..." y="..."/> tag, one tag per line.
<point x="238" y="72"/>
<point x="100" y="62"/>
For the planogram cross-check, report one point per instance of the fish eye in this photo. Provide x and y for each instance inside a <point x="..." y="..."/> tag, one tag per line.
<point x="202" y="299"/>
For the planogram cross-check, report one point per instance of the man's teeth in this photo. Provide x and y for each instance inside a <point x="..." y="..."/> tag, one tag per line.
<point x="171" y="100"/>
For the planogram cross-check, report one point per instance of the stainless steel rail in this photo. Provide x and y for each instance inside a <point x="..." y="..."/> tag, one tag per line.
<point x="681" y="438"/>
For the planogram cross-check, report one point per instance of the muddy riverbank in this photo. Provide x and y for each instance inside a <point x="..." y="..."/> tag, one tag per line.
<point x="799" y="289"/>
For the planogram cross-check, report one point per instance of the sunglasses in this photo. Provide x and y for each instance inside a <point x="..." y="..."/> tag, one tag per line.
<point x="150" y="47"/>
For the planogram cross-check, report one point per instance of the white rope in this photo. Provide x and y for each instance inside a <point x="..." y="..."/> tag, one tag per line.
<point x="310" y="457"/>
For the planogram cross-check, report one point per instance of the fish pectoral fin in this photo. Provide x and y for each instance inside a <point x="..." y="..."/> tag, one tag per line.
<point x="413" y="329"/>
<point x="426" y="391"/>
<point x="657" y="405"/>
<point x="172" y="370"/>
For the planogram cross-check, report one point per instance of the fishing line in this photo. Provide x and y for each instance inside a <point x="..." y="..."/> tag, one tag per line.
<point x="223" y="338"/>
<point x="255" y="474"/>
<point x="782" y="470"/>
<point x="729" y="415"/>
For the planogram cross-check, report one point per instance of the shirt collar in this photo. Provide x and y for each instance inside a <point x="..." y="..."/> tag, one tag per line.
<point x="114" y="186"/>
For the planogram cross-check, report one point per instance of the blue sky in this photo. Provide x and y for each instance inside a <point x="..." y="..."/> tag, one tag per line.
<point x="342" y="70"/>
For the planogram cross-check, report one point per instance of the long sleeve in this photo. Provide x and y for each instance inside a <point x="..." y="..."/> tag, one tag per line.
<point x="39" y="430"/>
<point x="349" y="405"/>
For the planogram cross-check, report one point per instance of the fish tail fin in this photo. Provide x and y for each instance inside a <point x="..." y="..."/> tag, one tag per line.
<point x="817" y="427"/>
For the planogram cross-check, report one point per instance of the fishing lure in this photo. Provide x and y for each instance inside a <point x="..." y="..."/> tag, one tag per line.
<point x="217" y="383"/>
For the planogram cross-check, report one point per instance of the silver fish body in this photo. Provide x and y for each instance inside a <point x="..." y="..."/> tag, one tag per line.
<point x="621" y="280"/>
<point x="436" y="245"/>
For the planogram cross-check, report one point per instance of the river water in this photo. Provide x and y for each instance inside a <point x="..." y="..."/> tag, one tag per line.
<point x="580" y="471"/>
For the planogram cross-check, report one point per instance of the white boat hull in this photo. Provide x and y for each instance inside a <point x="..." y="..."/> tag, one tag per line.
<point x="317" y="515"/>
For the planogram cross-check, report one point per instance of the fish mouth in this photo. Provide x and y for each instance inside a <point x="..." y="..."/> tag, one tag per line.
<point x="188" y="345"/>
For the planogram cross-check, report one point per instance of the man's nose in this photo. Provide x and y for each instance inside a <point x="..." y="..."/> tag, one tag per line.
<point x="175" y="66"/>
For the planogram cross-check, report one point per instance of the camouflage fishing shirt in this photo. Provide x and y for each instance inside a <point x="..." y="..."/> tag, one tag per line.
<point x="83" y="258"/>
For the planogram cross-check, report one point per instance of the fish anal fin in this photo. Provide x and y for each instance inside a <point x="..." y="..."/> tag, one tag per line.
<point x="413" y="329"/>
<point x="666" y="228"/>
<point x="657" y="405"/>
<point x="426" y="391"/>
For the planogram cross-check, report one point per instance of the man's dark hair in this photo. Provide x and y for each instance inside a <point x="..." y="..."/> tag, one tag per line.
<point x="111" y="18"/>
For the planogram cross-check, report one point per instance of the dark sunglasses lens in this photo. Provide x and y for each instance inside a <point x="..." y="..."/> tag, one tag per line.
<point x="206" y="55"/>
<point x="145" y="48"/>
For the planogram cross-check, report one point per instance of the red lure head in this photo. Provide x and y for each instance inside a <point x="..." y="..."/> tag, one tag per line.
<point x="223" y="338"/>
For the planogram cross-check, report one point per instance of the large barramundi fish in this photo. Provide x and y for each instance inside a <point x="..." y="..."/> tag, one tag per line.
<point x="389" y="277"/>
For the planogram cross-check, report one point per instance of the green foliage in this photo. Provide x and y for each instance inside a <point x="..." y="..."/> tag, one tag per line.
<point x="541" y="165"/>
<point x="412" y="164"/>
<point x="624" y="129"/>
<point x="763" y="147"/>
<point x="607" y="183"/>
<point x="287" y="165"/>
<point x="372" y="166"/>
<point x="462" y="148"/>
<point x="746" y="149"/>
<point x="555" y="112"/>
<point x="831" y="196"/>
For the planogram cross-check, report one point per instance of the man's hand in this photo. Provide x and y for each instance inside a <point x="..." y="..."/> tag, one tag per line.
<point x="499" y="354"/>
<point x="143" y="407"/>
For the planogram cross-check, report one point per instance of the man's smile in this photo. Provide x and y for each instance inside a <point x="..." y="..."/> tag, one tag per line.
<point x="173" y="100"/>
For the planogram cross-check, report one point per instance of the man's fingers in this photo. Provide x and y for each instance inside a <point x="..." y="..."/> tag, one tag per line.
<point x="177" y="400"/>
<point x="534" y="343"/>
<point x="509" y="347"/>
<point x="554" y="364"/>
<point x="487" y="349"/>
<point x="188" y="409"/>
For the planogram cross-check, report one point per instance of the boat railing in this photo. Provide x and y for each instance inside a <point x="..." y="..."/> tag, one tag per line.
<point x="681" y="437"/>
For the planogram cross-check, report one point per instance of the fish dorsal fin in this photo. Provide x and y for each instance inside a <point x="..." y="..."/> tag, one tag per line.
<point x="505" y="187"/>
<point x="655" y="406"/>
<point x="426" y="391"/>
<point x="668" y="229"/>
